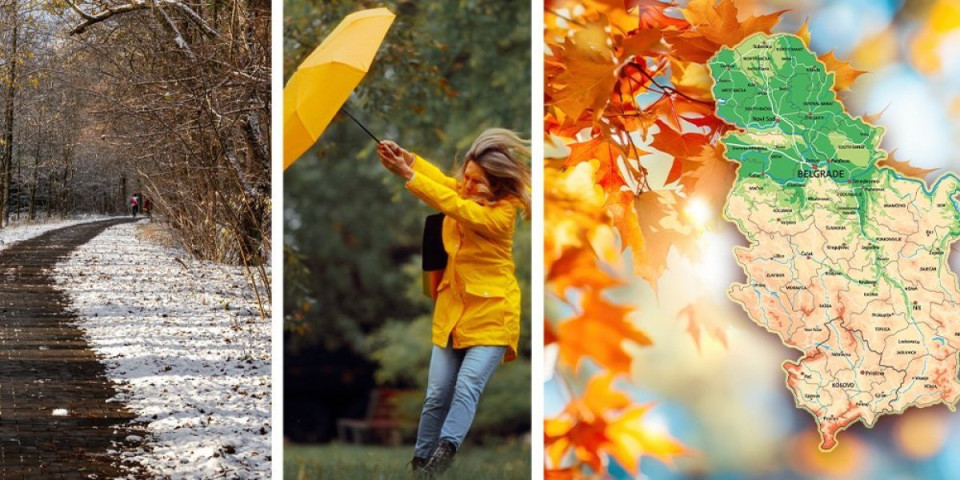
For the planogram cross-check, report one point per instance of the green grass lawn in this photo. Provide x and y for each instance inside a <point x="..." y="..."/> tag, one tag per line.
<point x="338" y="461"/>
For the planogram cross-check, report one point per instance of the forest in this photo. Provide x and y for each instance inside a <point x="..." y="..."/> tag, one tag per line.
<point x="170" y="99"/>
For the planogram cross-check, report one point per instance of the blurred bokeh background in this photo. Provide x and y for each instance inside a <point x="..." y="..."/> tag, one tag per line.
<point x="357" y="327"/>
<point x="725" y="399"/>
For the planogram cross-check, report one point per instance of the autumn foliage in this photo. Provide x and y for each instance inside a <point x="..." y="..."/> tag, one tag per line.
<point x="632" y="139"/>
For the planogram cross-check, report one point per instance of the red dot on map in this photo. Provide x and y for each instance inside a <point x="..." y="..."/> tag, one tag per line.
<point x="862" y="372"/>
<point x="914" y="302"/>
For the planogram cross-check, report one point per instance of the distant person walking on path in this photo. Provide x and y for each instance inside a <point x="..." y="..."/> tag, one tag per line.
<point x="476" y="321"/>
<point x="134" y="205"/>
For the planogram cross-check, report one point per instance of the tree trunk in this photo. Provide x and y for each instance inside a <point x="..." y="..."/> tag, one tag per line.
<point x="32" y="212"/>
<point x="65" y="206"/>
<point x="6" y="162"/>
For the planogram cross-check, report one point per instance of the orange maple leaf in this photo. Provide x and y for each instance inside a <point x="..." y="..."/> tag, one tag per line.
<point x="709" y="175"/>
<point x="663" y="227"/>
<point x="690" y="46"/>
<point x="623" y="213"/>
<point x="680" y="146"/>
<point x="652" y="14"/>
<point x="580" y="268"/>
<point x="603" y="422"/>
<point x="905" y="167"/>
<point x="715" y="24"/>
<point x="598" y="332"/>
<point x="639" y="43"/>
<point x="624" y="113"/>
<point x="804" y="32"/>
<point x="718" y="22"/>
<point x="873" y="118"/>
<point x="571" y="473"/>
<point x="631" y="439"/>
<point x="549" y="336"/>
<point x="843" y="74"/>
<point x="588" y="75"/>
<point x="692" y="79"/>
<point x="606" y="152"/>
<point x="595" y="148"/>
<point x="573" y="208"/>
<point x="650" y="224"/>
<point x="701" y="315"/>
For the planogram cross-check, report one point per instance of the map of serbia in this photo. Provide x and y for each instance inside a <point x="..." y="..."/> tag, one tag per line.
<point x="847" y="261"/>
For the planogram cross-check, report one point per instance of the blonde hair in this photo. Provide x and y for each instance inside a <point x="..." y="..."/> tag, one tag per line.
<point x="501" y="153"/>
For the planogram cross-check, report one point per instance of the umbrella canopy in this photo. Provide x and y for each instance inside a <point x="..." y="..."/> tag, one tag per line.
<point x="323" y="82"/>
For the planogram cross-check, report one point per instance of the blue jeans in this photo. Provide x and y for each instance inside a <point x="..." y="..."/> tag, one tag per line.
<point x="456" y="380"/>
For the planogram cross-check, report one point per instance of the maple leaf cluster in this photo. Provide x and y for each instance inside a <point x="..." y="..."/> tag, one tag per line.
<point x="632" y="137"/>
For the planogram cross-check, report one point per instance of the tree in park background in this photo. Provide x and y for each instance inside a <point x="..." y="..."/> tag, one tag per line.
<point x="171" y="99"/>
<point x="354" y="315"/>
<point x="38" y="139"/>
<point x="633" y="164"/>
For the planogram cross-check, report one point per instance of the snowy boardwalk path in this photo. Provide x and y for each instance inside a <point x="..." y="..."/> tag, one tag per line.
<point x="55" y="417"/>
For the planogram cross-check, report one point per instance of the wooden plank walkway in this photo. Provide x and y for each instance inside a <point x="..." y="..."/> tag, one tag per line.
<point x="55" y="418"/>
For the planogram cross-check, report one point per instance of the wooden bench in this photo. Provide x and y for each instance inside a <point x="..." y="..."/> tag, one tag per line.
<point x="380" y="421"/>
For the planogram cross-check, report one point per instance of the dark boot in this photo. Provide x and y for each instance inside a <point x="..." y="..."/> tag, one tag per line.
<point x="418" y="463"/>
<point x="441" y="458"/>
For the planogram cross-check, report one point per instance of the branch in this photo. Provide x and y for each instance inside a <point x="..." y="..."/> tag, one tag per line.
<point x="665" y="88"/>
<point x="105" y="14"/>
<point x="134" y="5"/>
<point x="210" y="31"/>
<point x="85" y="15"/>
<point x="178" y="37"/>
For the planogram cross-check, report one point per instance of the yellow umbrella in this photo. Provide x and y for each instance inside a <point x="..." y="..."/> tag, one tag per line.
<point x="323" y="82"/>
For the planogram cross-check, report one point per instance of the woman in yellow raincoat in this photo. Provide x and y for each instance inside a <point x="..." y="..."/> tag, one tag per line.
<point x="476" y="322"/>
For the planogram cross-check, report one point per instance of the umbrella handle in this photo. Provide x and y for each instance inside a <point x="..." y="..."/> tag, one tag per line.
<point x="374" y="137"/>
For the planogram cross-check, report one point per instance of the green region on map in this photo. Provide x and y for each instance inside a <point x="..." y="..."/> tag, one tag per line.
<point x="778" y="90"/>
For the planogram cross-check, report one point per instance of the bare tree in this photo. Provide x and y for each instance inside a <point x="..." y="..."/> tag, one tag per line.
<point x="184" y="99"/>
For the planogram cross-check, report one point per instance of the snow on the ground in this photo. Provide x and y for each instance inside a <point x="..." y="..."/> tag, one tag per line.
<point x="188" y="347"/>
<point x="17" y="232"/>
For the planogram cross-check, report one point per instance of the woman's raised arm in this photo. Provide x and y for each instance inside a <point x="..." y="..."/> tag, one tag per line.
<point x="497" y="219"/>
<point x="416" y="162"/>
